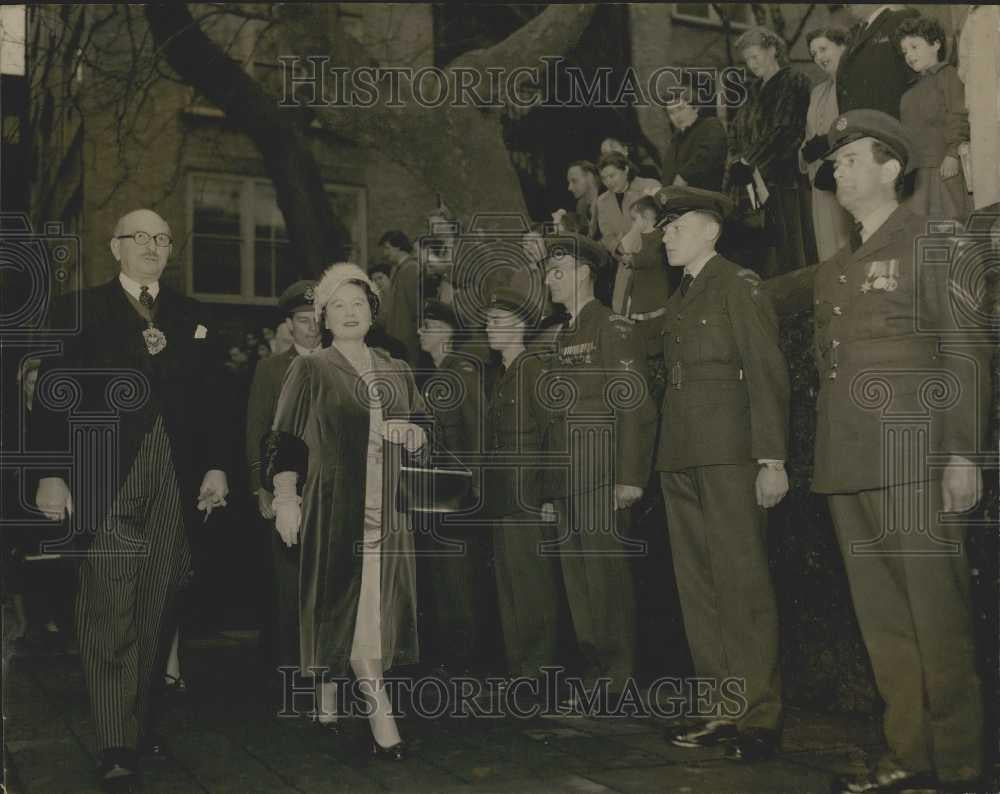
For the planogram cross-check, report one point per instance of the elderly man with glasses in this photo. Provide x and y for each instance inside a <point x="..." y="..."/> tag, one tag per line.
<point x="141" y="355"/>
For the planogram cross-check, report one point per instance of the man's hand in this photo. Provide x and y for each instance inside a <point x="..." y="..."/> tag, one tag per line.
<point x="548" y="512"/>
<point x="264" y="498"/>
<point x="626" y="496"/>
<point x="213" y="492"/>
<point x="771" y="486"/>
<point x="53" y="498"/>
<point x="961" y="485"/>
<point x="398" y="431"/>
<point x="949" y="167"/>
<point x="288" y="519"/>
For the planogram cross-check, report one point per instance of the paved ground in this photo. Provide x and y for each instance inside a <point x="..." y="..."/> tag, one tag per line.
<point x="222" y="738"/>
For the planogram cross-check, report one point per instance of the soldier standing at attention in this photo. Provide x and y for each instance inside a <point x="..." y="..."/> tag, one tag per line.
<point x="604" y="420"/>
<point x="898" y="421"/>
<point x="721" y="462"/>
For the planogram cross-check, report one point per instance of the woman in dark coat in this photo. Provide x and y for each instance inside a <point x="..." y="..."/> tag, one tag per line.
<point x="765" y="137"/>
<point x="357" y="590"/>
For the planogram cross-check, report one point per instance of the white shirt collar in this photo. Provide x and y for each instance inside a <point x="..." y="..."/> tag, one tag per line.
<point x="874" y="220"/>
<point x="133" y="287"/>
<point x="305" y="351"/>
<point x="875" y="13"/>
<point x="696" y="267"/>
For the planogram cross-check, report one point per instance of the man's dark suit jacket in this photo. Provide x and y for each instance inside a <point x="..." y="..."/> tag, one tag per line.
<point x="698" y="154"/>
<point x="115" y="374"/>
<point x="872" y="72"/>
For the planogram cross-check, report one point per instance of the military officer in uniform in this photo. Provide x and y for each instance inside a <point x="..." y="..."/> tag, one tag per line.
<point x="297" y="304"/>
<point x="721" y="451"/>
<point x="603" y="419"/>
<point x="453" y="560"/>
<point x="899" y="417"/>
<point x="527" y="580"/>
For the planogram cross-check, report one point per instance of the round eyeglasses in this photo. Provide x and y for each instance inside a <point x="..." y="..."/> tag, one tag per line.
<point x="142" y="238"/>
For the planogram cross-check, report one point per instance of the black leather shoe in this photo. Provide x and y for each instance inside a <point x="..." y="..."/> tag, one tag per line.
<point x="894" y="780"/>
<point x="329" y="727"/>
<point x="707" y="734"/>
<point x="395" y="753"/>
<point x="753" y="744"/>
<point x="118" y="770"/>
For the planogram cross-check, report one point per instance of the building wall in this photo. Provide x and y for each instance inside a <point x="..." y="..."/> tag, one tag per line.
<point x="169" y="141"/>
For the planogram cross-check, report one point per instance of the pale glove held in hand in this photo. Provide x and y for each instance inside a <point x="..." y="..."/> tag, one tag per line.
<point x="287" y="507"/>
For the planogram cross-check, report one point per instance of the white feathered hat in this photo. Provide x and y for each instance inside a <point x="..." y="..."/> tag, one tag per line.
<point x="332" y="280"/>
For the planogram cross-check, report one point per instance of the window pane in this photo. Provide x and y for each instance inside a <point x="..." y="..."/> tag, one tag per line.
<point x="699" y="10"/>
<point x="269" y="223"/>
<point x="216" y="265"/>
<point x="272" y="260"/>
<point x="216" y="206"/>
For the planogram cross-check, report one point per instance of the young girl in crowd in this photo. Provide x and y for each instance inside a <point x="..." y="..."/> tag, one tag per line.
<point x="933" y="111"/>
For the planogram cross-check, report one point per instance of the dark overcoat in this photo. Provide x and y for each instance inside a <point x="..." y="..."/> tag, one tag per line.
<point x="117" y="376"/>
<point x="321" y="429"/>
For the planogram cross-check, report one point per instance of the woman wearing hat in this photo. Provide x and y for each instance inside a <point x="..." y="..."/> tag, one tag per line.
<point x="527" y="583"/>
<point x="357" y="580"/>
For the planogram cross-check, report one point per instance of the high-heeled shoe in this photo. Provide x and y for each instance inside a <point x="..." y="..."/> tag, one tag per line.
<point x="331" y="727"/>
<point x="395" y="753"/>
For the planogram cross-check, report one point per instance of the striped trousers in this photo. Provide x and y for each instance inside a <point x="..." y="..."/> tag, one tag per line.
<point x="127" y="585"/>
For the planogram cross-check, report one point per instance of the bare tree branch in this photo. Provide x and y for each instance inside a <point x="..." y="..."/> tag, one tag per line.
<point x="280" y="135"/>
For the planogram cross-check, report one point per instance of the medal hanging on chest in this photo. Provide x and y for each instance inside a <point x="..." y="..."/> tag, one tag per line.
<point x="154" y="337"/>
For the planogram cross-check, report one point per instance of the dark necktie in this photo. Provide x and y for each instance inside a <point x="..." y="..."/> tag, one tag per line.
<point x="855" y="239"/>
<point x="686" y="284"/>
<point x="145" y="298"/>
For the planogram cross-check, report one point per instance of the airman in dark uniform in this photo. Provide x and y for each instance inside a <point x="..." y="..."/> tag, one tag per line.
<point x="898" y="424"/>
<point x="602" y="420"/>
<point x="721" y="454"/>
<point x="527" y="580"/>
<point x="297" y="304"/>
<point x="453" y="559"/>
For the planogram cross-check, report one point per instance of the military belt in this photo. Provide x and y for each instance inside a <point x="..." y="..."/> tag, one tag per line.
<point x="679" y="373"/>
<point x="648" y="315"/>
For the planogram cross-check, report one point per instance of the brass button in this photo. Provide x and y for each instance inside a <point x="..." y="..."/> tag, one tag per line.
<point x="838" y="311"/>
<point x="832" y="375"/>
<point x="835" y="343"/>
<point x="842" y="278"/>
<point x="677" y="339"/>
<point x="704" y="322"/>
<point x="816" y="301"/>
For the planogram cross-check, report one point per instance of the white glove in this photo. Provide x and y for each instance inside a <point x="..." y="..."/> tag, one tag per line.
<point x="53" y="498"/>
<point x="287" y="507"/>
<point x="213" y="492"/>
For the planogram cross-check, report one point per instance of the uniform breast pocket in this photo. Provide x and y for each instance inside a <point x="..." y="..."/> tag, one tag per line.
<point x="715" y="338"/>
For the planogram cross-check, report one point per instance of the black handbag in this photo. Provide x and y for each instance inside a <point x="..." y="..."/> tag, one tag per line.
<point x="429" y="488"/>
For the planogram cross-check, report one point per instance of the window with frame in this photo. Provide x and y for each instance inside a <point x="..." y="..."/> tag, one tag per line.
<point x="740" y="14"/>
<point x="240" y="252"/>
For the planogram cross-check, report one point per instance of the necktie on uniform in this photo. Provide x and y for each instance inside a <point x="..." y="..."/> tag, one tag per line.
<point x="144" y="297"/>
<point x="855" y="238"/>
<point x="686" y="283"/>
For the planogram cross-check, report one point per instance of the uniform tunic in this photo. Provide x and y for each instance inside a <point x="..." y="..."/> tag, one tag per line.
<point x="725" y="408"/>
<point x="527" y="581"/>
<point x="602" y="424"/>
<point x="894" y="403"/>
